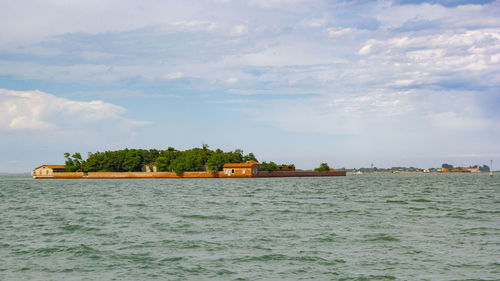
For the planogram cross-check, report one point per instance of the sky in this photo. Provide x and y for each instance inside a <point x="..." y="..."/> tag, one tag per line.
<point x="350" y="83"/>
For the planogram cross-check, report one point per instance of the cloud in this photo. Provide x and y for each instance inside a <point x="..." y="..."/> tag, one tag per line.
<point x="195" y="25"/>
<point x="36" y="110"/>
<point x="366" y="49"/>
<point x="282" y="4"/>
<point x="239" y="29"/>
<point x="42" y="19"/>
<point x="454" y="121"/>
<point x="335" y="32"/>
<point x="314" y="22"/>
<point x="433" y="60"/>
<point x="446" y="3"/>
<point x="232" y="80"/>
<point x="413" y="25"/>
<point x="379" y="114"/>
<point x="175" y="75"/>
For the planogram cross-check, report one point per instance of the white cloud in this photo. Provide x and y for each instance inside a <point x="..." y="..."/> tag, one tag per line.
<point x="423" y="55"/>
<point x="282" y="55"/>
<point x="366" y="49"/>
<point x="457" y="122"/>
<point x="335" y="32"/>
<point x="283" y="4"/>
<point x="430" y="59"/>
<point x="195" y="24"/>
<point x="43" y="19"/>
<point x="239" y="29"/>
<point x="385" y="115"/>
<point x="495" y="58"/>
<point x="232" y="80"/>
<point x="35" y="110"/>
<point x="174" y="75"/>
<point x="314" y="22"/>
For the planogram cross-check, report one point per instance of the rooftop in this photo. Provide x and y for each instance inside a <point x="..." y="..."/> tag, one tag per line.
<point x="248" y="164"/>
<point x="53" y="166"/>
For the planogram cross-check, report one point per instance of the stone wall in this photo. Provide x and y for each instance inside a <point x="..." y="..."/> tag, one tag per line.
<point x="61" y="175"/>
<point x="130" y="175"/>
<point x="265" y="174"/>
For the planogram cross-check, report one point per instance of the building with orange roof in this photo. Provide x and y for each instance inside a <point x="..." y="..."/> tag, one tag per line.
<point x="246" y="169"/>
<point x="48" y="170"/>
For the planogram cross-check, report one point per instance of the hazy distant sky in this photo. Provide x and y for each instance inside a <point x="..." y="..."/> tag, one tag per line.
<point x="349" y="83"/>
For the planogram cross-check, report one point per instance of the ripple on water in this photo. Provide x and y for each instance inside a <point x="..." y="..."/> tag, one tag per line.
<point x="204" y="217"/>
<point x="380" y="237"/>
<point x="421" y="200"/>
<point x="396" y="202"/>
<point x="370" y="227"/>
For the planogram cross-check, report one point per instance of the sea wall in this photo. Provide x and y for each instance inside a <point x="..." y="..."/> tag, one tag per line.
<point x="114" y="175"/>
<point x="265" y="174"/>
<point x="130" y="175"/>
<point x="146" y="175"/>
<point x="61" y="175"/>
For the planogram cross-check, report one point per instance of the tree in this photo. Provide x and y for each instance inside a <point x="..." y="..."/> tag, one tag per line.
<point x="162" y="163"/>
<point x="113" y="160"/>
<point x="216" y="162"/>
<point x="237" y="156"/>
<point x="74" y="163"/>
<point x="149" y="156"/>
<point x="188" y="161"/>
<point x="250" y="157"/>
<point x="165" y="159"/>
<point x="447" y="166"/>
<point x="78" y="162"/>
<point x="132" y="161"/>
<point x="195" y="159"/>
<point x="484" y="168"/>
<point x="69" y="163"/>
<point x="323" y="167"/>
<point x="94" y="162"/>
<point x="270" y="167"/>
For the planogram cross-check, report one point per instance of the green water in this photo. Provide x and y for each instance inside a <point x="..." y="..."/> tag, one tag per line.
<point x="363" y="227"/>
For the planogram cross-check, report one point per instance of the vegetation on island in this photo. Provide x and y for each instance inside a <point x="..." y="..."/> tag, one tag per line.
<point x="271" y="167"/>
<point x="133" y="160"/>
<point x="322" y="167"/>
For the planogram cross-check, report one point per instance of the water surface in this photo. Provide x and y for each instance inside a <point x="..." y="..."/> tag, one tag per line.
<point x="363" y="227"/>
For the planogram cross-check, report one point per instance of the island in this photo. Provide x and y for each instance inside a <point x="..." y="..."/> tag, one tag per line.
<point x="171" y="163"/>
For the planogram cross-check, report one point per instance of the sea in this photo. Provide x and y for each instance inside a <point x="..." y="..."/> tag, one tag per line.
<point x="358" y="227"/>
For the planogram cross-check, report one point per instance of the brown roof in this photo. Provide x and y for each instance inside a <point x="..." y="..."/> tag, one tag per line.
<point x="253" y="162"/>
<point x="53" y="166"/>
<point x="239" y="165"/>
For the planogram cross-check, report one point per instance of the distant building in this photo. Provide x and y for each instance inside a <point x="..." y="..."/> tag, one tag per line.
<point x="476" y="169"/>
<point x="48" y="170"/>
<point x="149" y="168"/>
<point x="241" y="169"/>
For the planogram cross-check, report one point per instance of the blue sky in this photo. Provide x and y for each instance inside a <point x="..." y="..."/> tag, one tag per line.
<point x="350" y="83"/>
